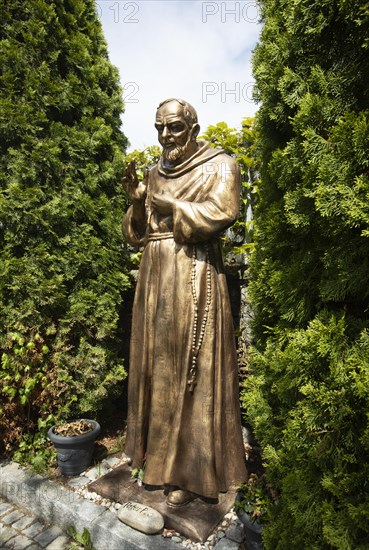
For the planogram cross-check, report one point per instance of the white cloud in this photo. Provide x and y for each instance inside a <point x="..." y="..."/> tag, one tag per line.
<point x="198" y="51"/>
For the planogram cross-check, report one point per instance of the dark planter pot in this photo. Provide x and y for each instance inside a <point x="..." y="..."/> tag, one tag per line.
<point x="74" y="453"/>
<point x="251" y="529"/>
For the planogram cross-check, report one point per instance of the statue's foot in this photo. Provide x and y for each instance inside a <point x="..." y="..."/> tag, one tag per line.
<point x="178" y="498"/>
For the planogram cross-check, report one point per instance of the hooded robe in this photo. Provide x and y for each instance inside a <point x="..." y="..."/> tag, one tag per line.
<point x="183" y="391"/>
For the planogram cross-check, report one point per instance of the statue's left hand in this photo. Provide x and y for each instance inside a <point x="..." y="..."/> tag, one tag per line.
<point x="163" y="202"/>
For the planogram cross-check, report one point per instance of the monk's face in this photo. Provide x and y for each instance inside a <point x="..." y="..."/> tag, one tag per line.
<point x="174" y="133"/>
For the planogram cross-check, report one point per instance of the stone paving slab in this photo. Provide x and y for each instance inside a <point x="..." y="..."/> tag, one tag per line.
<point x="236" y="534"/>
<point x="78" y="481"/>
<point x="13" y="538"/>
<point x="5" y="507"/>
<point x="226" y="544"/>
<point x="47" y="537"/>
<point x="23" y="523"/>
<point x="11" y="517"/>
<point x="6" y="533"/>
<point x="58" y="543"/>
<point x="34" y="530"/>
<point x="19" y="543"/>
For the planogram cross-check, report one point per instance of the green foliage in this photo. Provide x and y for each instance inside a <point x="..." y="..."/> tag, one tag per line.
<point x="23" y="363"/>
<point x="144" y="159"/>
<point x="62" y="268"/>
<point x="254" y="498"/>
<point x="307" y="392"/>
<point x="308" y="399"/>
<point x="314" y="136"/>
<point x="137" y="474"/>
<point x="81" y="540"/>
<point x="240" y="145"/>
<point x="35" y="448"/>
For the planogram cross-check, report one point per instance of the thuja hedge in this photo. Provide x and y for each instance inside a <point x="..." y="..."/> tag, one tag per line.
<point x="307" y="396"/>
<point x="308" y="401"/>
<point x="62" y="268"/>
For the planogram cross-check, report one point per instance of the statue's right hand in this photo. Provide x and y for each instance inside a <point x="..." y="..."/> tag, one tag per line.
<point x="135" y="188"/>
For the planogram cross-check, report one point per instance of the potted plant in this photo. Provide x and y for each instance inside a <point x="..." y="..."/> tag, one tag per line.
<point x="74" y="442"/>
<point x="252" y="506"/>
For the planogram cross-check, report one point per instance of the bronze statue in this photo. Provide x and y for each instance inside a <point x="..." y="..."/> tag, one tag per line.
<point x="183" y="403"/>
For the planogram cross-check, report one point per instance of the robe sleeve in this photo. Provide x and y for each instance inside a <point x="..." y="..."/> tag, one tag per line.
<point x="199" y="221"/>
<point x="134" y="229"/>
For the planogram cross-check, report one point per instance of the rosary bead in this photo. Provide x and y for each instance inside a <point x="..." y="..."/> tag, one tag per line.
<point x="196" y="349"/>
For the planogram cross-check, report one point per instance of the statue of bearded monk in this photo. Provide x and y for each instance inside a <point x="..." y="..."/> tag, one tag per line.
<point x="183" y="403"/>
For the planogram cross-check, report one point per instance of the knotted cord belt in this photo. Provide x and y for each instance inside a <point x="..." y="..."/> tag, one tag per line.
<point x="160" y="236"/>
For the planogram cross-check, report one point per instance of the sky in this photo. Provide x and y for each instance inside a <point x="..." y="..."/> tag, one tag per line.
<point x="199" y="51"/>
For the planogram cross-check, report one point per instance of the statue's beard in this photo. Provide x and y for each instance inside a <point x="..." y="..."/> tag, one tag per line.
<point x="172" y="155"/>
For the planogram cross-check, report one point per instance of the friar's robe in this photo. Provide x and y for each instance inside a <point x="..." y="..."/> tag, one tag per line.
<point x="190" y="439"/>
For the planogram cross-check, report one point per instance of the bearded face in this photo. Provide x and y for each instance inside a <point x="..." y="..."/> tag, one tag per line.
<point x="173" y="153"/>
<point x="175" y="134"/>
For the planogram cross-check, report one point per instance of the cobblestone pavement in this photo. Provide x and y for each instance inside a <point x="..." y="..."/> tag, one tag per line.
<point x="19" y="530"/>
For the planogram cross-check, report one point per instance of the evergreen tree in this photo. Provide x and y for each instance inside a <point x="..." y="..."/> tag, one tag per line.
<point x="62" y="269"/>
<point x="307" y="396"/>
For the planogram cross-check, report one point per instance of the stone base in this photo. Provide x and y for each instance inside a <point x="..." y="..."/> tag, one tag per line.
<point x="195" y="520"/>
